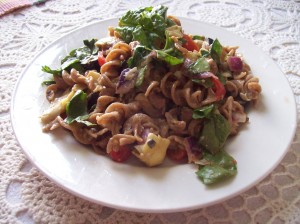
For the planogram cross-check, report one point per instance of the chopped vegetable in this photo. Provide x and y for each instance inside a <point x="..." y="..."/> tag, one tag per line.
<point x="189" y="44"/>
<point x="126" y="80"/>
<point x="203" y="112"/>
<point x="139" y="55"/>
<point x="215" y="132"/>
<point x="218" y="87"/>
<point x="216" y="50"/>
<point x="194" y="151"/>
<point x="47" y="69"/>
<point x="122" y="154"/>
<point x="235" y="64"/>
<point x="152" y="156"/>
<point x="101" y="58"/>
<point x="76" y="109"/>
<point x="200" y="66"/>
<point x="146" y="25"/>
<point x="170" y="54"/>
<point x="140" y="77"/>
<point x="217" y="168"/>
<point x="177" y="154"/>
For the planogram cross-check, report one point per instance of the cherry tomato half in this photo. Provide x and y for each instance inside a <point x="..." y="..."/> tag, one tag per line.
<point x="189" y="43"/>
<point x="122" y="154"/>
<point x="177" y="154"/>
<point x="218" y="87"/>
<point x="101" y="58"/>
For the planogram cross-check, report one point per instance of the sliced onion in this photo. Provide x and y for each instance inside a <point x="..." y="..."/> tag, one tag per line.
<point x="187" y="62"/>
<point x="145" y="134"/>
<point x="194" y="151"/>
<point x="205" y="75"/>
<point x="235" y="64"/>
<point x="126" y="80"/>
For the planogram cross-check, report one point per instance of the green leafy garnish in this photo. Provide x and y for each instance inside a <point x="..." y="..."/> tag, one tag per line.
<point x="215" y="132"/>
<point x="219" y="167"/>
<point x="76" y="109"/>
<point x="197" y="37"/>
<point x="48" y="82"/>
<point x="140" y="77"/>
<point x="216" y="50"/>
<point x="204" y="53"/>
<point x="81" y="59"/>
<point x="139" y="55"/>
<point x="200" y="66"/>
<point x="203" y="112"/>
<point x="54" y="72"/>
<point x="146" y="25"/>
<point x="161" y="54"/>
<point x="170" y="54"/>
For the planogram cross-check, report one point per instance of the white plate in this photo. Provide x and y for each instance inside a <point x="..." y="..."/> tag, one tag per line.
<point x="258" y="148"/>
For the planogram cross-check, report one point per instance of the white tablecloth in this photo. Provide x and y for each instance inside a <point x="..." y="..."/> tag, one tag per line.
<point x="27" y="196"/>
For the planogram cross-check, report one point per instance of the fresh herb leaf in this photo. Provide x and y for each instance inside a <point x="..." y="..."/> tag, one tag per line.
<point x="140" y="77"/>
<point x="161" y="54"/>
<point x="76" y="109"/>
<point x="146" y="25"/>
<point x="204" y="53"/>
<point x="48" y="82"/>
<point x="220" y="166"/>
<point x="54" y="72"/>
<point x="203" y="112"/>
<point x="91" y="45"/>
<point x="214" y="134"/>
<point x="216" y="50"/>
<point x="81" y="59"/>
<point x="222" y="79"/>
<point x="72" y="62"/>
<point x="197" y="37"/>
<point x="201" y="65"/>
<point x="139" y="55"/>
<point x="174" y="31"/>
<point x="126" y="33"/>
<point x="170" y="54"/>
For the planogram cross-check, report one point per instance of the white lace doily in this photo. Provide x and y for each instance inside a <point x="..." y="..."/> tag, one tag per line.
<point x="27" y="196"/>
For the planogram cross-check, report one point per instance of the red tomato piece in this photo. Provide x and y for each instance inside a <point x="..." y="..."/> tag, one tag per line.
<point x="218" y="87"/>
<point x="177" y="155"/>
<point x="189" y="43"/>
<point x="101" y="58"/>
<point x="122" y="154"/>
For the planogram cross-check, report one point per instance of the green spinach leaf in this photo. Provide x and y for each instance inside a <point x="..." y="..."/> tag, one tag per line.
<point x="76" y="109"/>
<point x="163" y="55"/>
<point x="214" y="134"/>
<point x="220" y="166"/>
<point x="216" y="50"/>
<point x="140" y="77"/>
<point x="170" y="54"/>
<point x="203" y="112"/>
<point x="54" y="72"/>
<point x="199" y="66"/>
<point x="139" y="55"/>
<point x="146" y="25"/>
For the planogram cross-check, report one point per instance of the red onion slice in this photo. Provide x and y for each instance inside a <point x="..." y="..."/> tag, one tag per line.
<point x="235" y="64"/>
<point x="126" y="80"/>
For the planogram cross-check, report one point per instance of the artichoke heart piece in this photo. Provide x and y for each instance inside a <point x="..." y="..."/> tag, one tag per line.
<point x="153" y="152"/>
<point x="59" y="105"/>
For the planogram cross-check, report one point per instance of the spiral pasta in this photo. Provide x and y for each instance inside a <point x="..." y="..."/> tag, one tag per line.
<point x="146" y="102"/>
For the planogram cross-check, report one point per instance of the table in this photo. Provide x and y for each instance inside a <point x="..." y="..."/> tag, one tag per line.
<point x="27" y="196"/>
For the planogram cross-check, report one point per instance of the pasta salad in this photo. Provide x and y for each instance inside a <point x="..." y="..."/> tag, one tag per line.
<point x="151" y="91"/>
